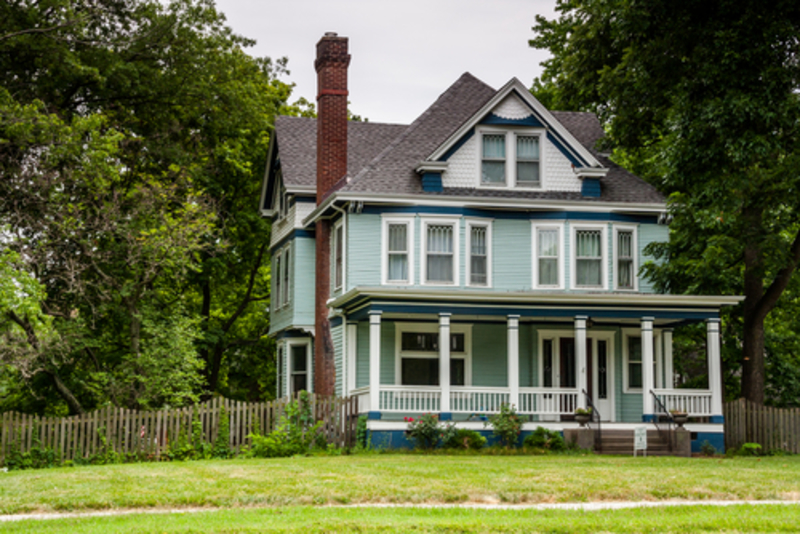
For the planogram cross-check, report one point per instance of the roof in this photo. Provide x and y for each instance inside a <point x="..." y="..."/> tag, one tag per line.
<point x="382" y="158"/>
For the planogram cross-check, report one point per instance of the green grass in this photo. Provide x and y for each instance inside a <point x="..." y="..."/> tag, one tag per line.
<point x="397" y="478"/>
<point x="762" y="518"/>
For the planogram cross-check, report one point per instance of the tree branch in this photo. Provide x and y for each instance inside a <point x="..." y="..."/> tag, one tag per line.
<point x="781" y="281"/>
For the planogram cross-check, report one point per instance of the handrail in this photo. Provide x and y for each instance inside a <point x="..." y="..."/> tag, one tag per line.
<point x="661" y="409"/>
<point x="598" y="437"/>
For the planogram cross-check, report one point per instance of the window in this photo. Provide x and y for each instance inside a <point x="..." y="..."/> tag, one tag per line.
<point x="510" y="158"/>
<point x="493" y="168"/>
<point x="589" y="245"/>
<point x="418" y="354"/>
<point x="440" y="259"/>
<point x="625" y="251"/>
<point x="298" y="355"/>
<point x="398" y="256"/>
<point x="337" y="251"/>
<point x="528" y="161"/>
<point x="286" y="272"/>
<point x="277" y="276"/>
<point x="547" y="362"/>
<point x="547" y="264"/>
<point x="281" y="199"/>
<point x="634" y="362"/>
<point x="479" y="249"/>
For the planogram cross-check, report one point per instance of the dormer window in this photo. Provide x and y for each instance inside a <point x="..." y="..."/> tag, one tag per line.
<point x="281" y="202"/>
<point x="510" y="159"/>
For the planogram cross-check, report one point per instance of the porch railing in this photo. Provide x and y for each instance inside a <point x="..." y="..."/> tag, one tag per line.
<point x="663" y="421"/>
<point x="362" y="394"/>
<point x="477" y="399"/>
<point x="410" y="398"/>
<point x="595" y="418"/>
<point x="695" y="402"/>
<point x="547" y="401"/>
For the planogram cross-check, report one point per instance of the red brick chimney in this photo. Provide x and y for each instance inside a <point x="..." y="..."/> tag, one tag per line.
<point x="331" y="65"/>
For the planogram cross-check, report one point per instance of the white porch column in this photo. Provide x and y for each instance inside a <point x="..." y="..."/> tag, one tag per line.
<point x="580" y="358"/>
<point x="669" y="373"/>
<point x="714" y="370"/>
<point x="513" y="360"/>
<point x="444" y="363"/>
<point x="375" y="361"/>
<point x="647" y="368"/>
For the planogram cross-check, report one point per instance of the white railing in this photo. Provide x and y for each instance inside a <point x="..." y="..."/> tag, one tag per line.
<point x="695" y="402"/>
<point x="547" y="401"/>
<point x="410" y="398"/>
<point x="477" y="399"/>
<point x="362" y="394"/>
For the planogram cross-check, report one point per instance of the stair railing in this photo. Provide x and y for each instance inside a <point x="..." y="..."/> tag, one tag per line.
<point x="595" y="417"/>
<point x="662" y="412"/>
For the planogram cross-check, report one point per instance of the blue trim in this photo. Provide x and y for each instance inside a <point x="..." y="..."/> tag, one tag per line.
<point x="530" y="120"/>
<point x="306" y="199"/>
<point x="591" y="188"/>
<point x="717" y="439"/>
<point x="396" y="439"/>
<point x="292" y="332"/>
<point x="335" y="322"/>
<point x="432" y="182"/>
<point x="648" y="417"/>
<point x="453" y="149"/>
<point x="717" y="419"/>
<point x="445" y="416"/>
<point x="292" y="235"/>
<point x="373" y="416"/>
<point x="518" y="215"/>
<point x="561" y="145"/>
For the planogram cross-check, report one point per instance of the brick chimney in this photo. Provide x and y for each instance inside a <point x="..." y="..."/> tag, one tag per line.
<point x="331" y="65"/>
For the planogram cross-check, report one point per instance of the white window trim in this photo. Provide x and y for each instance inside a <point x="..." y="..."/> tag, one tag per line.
<point x="339" y="224"/>
<point x="286" y="298"/>
<point x="400" y="328"/>
<point x="409" y="222"/>
<point x="294" y="342"/>
<point x="277" y="280"/>
<point x="637" y="332"/>
<point x="635" y="250"/>
<point x="535" y="227"/>
<point x="574" y="227"/>
<point x="470" y="224"/>
<point x="281" y="202"/>
<point x="440" y="221"/>
<point x="511" y="134"/>
<point x="351" y="353"/>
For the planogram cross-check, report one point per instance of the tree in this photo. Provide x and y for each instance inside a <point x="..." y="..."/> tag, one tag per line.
<point x="703" y="97"/>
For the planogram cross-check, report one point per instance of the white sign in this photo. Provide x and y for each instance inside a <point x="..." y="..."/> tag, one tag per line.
<point x="639" y="439"/>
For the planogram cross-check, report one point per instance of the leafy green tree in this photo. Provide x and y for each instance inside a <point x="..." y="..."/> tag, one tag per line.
<point x="703" y="96"/>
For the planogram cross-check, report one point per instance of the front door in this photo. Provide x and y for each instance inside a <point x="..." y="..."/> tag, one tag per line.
<point x="598" y="372"/>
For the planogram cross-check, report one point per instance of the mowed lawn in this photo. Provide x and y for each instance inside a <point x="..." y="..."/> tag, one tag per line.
<point x="397" y="478"/>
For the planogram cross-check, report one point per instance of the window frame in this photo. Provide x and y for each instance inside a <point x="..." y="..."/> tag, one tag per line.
<point x="278" y="279"/>
<point x="574" y="228"/>
<point x="440" y="221"/>
<point x="635" y="260"/>
<point x="478" y="223"/>
<point x="294" y="342"/>
<point x="425" y="328"/>
<point x="337" y="269"/>
<point x="287" y="274"/>
<point x="281" y="201"/>
<point x="511" y="134"/>
<point x="559" y="227"/>
<point x="388" y="220"/>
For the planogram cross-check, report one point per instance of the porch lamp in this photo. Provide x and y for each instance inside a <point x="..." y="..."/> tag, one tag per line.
<point x="589" y="323"/>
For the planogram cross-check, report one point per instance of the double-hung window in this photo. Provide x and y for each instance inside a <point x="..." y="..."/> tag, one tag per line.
<point x="398" y="250"/>
<point x="528" y="161"/>
<point x="418" y="355"/>
<point x="625" y="259"/>
<point x="510" y="158"/>
<point x="300" y="367"/>
<point x="589" y="254"/>
<point x="547" y="261"/>
<point x="337" y="250"/>
<point x="493" y="167"/>
<point x="440" y="259"/>
<point x="479" y="246"/>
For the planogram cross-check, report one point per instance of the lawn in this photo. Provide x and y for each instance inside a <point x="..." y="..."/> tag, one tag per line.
<point x="397" y="478"/>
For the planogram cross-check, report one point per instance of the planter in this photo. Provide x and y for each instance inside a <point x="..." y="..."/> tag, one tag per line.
<point x="680" y="419"/>
<point x="583" y="418"/>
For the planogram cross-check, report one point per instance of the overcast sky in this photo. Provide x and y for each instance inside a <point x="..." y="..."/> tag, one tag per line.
<point x="404" y="53"/>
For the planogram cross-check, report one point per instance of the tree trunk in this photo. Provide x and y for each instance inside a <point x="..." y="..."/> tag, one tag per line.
<point x="754" y="314"/>
<point x="62" y="389"/>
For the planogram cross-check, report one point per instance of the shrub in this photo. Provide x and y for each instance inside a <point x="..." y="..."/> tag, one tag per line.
<point x="465" y="439"/>
<point x="426" y="430"/>
<point x="749" y="449"/>
<point x="707" y="449"/>
<point x="296" y="433"/>
<point x="506" y="425"/>
<point x="545" y="440"/>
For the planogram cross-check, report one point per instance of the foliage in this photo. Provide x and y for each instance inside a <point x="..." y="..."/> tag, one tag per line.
<point x="38" y="457"/>
<point x="295" y="433"/>
<point x="222" y="445"/>
<point x="465" y="439"/>
<point x="362" y="434"/>
<point x="583" y="411"/>
<point x="545" y="440"/>
<point x="506" y="425"/>
<point x="426" y="431"/>
<point x="707" y="449"/>
<point x="724" y="148"/>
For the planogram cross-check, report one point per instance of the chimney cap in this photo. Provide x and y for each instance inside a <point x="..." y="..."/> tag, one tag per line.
<point x="331" y="34"/>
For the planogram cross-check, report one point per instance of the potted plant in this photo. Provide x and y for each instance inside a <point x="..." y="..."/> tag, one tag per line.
<point x="583" y="415"/>
<point x="679" y="416"/>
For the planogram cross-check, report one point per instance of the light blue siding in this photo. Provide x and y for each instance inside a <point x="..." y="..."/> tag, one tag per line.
<point x="363" y="250"/>
<point x="362" y="354"/>
<point x="337" y="336"/>
<point x="489" y="355"/>
<point x="512" y="255"/>
<point x="649" y="233"/>
<point x="303" y="282"/>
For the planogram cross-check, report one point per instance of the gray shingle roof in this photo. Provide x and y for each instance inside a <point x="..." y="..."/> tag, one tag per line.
<point x="382" y="157"/>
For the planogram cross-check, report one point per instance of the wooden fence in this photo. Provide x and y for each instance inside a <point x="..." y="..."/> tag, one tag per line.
<point x="150" y="433"/>
<point x="772" y="428"/>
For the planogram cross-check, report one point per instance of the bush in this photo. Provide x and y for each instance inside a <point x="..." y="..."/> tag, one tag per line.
<point x="545" y="440"/>
<point x="464" y="439"/>
<point x="296" y="433"/>
<point x="707" y="449"/>
<point x="506" y="425"/>
<point x="426" y="431"/>
<point x="749" y="449"/>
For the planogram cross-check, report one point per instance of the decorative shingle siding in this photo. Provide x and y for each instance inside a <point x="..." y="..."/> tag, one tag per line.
<point x="462" y="167"/>
<point x="512" y="108"/>
<point x="557" y="174"/>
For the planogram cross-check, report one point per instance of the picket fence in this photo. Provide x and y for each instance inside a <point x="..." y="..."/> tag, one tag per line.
<point x="149" y="433"/>
<point x="772" y="428"/>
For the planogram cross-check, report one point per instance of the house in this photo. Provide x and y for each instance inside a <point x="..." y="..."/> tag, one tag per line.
<point x="493" y="224"/>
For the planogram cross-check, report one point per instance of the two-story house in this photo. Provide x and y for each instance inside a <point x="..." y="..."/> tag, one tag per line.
<point x="487" y="253"/>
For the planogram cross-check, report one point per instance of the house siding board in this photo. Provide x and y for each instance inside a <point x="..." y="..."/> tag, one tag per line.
<point x="337" y="335"/>
<point x="511" y="255"/>
<point x="363" y="250"/>
<point x="525" y="355"/>
<point x="281" y="318"/>
<point x="302" y="283"/>
<point x="649" y="233"/>
<point x="489" y="355"/>
<point x="362" y="354"/>
<point x="388" y="352"/>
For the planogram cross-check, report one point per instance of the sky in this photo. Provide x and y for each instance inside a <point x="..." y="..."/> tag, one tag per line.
<point x="404" y="54"/>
